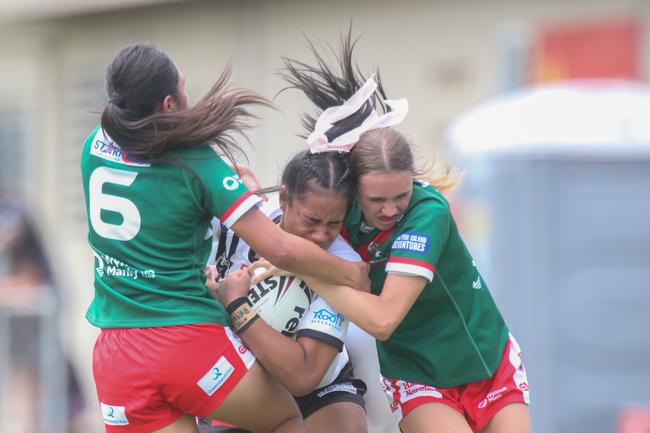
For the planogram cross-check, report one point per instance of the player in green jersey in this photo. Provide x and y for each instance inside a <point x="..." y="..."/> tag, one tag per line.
<point x="447" y="361"/>
<point x="154" y="177"/>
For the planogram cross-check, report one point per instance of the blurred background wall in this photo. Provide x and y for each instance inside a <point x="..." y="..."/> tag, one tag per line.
<point x="445" y="56"/>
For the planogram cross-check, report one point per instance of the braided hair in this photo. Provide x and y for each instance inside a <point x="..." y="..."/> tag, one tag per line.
<point x="326" y="170"/>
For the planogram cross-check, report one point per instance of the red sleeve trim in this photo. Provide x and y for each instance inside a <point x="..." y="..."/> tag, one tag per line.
<point x="420" y="263"/>
<point x="235" y="205"/>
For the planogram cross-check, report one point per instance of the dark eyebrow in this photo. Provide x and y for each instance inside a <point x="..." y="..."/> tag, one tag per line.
<point x="311" y="219"/>
<point x="317" y="221"/>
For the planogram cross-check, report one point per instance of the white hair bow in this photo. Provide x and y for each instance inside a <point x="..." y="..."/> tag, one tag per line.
<point x="318" y="141"/>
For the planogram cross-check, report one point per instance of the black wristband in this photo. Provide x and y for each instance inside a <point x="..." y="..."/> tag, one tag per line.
<point x="247" y="324"/>
<point x="230" y="308"/>
<point x="242" y="314"/>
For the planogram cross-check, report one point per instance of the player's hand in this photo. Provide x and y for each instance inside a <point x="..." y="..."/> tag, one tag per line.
<point x="232" y="286"/>
<point x="212" y="279"/>
<point x="262" y="269"/>
<point x="250" y="180"/>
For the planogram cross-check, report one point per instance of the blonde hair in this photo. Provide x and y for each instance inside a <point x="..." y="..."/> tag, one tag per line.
<point x="386" y="149"/>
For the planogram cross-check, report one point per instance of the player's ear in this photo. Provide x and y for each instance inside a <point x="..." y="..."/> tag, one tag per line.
<point x="169" y="104"/>
<point x="284" y="198"/>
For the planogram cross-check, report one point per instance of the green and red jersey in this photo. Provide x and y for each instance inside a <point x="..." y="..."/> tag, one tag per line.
<point x="150" y="231"/>
<point x="454" y="333"/>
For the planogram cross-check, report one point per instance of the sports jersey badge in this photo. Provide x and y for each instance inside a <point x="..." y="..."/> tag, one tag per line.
<point x="223" y="264"/>
<point x="375" y="254"/>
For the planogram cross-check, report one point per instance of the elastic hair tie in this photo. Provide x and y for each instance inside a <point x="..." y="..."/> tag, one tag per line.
<point x="117" y="100"/>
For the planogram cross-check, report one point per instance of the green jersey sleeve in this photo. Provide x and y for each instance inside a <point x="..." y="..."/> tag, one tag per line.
<point x="224" y="194"/>
<point x="421" y="239"/>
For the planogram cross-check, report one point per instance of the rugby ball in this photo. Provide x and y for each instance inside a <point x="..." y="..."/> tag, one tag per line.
<point x="281" y="301"/>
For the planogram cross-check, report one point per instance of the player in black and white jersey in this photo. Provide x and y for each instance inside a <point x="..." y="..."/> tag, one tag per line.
<point x="315" y="366"/>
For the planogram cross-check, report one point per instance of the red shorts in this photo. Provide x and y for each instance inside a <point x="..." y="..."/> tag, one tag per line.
<point x="477" y="401"/>
<point x="147" y="378"/>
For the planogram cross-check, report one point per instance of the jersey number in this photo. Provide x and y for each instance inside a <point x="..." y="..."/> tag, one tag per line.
<point x="98" y="200"/>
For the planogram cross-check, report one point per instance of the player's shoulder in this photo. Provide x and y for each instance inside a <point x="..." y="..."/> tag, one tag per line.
<point x="341" y="248"/>
<point x="104" y="150"/>
<point x="199" y="155"/>
<point x="426" y="198"/>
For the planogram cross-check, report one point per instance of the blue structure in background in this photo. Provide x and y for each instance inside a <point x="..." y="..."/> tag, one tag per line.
<point x="556" y="201"/>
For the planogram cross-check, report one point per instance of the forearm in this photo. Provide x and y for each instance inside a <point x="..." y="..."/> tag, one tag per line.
<point x="379" y="315"/>
<point x="366" y="310"/>
<point x="293" y="253"/>
<point x="284" y="358"/>
<point x="310" y="260"/>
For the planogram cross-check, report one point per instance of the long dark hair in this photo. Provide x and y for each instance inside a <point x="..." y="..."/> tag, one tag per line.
<point x="138" y="80"/>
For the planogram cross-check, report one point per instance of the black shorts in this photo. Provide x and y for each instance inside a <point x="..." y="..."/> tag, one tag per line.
<point x="344" y="388"/>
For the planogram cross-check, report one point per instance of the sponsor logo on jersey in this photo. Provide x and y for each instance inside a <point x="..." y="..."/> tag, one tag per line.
<point x="112" y="267"/>
<point x="231" y="182"/>
<point x="477" y="284"/>
<point x="412" y="242"/>
<point x="114" y="415"/>
<point x="328" y="318"/>
<point x="104" y="147"/>
<point x="216" y="376"/>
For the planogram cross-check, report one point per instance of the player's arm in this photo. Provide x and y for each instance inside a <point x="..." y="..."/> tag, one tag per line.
<point x="377" y="315"/>
<point x="295" y="254"/>
<point x="410" y="267"/>
<point x="299" y="364"/>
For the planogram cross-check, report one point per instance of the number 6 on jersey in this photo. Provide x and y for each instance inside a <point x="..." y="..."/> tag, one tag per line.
<point x="98" y="200"/>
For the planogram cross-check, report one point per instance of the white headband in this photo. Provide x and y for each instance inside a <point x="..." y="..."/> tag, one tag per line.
<point x="317" y="140"/>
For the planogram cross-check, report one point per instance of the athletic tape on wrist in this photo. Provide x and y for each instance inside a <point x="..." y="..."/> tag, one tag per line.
<point x="242" y="314"/>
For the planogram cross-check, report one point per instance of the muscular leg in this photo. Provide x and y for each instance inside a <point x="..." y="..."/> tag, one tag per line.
<point x="343" y="417"/>
<point x="514" y="418"/>
<point x="184" y="424"/>
<point x="434" y="418"/>
<point x="260" y="404"/>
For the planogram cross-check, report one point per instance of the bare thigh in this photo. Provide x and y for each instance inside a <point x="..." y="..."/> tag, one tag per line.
<point x="184" y="424"/>
<point x="260" y="404"/>
<point x="343" y="417"/>
<point x="434" y="418"/>
<point x="514" y="418"/>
